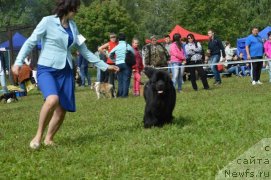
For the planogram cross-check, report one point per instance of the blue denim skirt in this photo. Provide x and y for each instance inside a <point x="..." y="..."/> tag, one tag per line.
<point x="58" y="82"/>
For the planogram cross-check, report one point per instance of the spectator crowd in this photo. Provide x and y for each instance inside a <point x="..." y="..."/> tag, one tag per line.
<point x="173" y="55"/>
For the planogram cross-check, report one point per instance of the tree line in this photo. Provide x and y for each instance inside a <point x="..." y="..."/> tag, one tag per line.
<point x="142" y="18"/>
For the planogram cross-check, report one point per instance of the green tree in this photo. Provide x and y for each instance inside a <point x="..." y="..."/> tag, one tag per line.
<point x="14" y="13"/>
<point x="100" y="18"/>
<point x="142" y="18"/>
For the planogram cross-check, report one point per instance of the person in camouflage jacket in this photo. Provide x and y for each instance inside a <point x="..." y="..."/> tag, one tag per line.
<point x="155" y="54"/>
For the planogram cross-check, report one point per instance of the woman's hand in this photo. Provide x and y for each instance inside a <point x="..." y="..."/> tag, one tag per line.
<point x="15" y="69"/>
<point x="113" y="68"/>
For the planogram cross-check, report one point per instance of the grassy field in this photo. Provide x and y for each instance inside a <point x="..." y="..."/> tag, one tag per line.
<point x="105" y="139"/>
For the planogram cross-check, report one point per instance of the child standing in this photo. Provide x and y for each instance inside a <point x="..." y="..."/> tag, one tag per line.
<point x="137" y="68"/>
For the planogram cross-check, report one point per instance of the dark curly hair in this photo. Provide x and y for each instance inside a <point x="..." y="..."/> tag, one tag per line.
<point x="192" y="37"/>
<point x="63" y="7"/>
<point x="177" y="38"/>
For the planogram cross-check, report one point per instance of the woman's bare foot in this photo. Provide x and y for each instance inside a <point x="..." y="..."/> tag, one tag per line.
<point x="49" y="143"/>
<point x="35" y="143"/>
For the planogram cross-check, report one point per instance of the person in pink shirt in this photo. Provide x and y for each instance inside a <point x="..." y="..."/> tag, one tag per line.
<point x="267" y="51"/>
<point x="137" y="68"/>
<point x="177" y="58"/>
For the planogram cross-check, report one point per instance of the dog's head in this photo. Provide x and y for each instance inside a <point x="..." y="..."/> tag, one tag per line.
<point x="95" y="85"/>
<point x="158" y="79"/>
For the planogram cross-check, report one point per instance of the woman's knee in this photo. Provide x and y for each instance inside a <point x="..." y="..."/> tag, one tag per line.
<point x="52" y="101"/>
<point x="60" y="111"/>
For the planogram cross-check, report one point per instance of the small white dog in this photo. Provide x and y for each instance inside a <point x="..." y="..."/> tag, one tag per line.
<point x="104" y="89"/>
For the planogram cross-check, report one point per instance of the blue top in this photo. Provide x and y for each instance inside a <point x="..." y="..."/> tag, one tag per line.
<point x="255" y="45"/>
<point x="120" y="52"/>
<point x="55" y="51"/>
<point x="69" y="31"/>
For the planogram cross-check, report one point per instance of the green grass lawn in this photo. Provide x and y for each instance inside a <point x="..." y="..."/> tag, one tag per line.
<point x="105" y="139"/>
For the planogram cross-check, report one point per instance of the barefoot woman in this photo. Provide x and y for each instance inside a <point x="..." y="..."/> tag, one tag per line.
<point x="58" y="33"/>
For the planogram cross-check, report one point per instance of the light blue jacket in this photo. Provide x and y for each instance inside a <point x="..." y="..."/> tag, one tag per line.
<point x="55" y="51"/>
<point x="117" y="54"/>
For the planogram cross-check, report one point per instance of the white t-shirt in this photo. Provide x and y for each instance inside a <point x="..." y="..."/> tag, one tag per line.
<point x="228" y="53"/>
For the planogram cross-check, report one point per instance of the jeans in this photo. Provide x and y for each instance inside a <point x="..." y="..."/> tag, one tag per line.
<point x="177" y="75"/>
<point x="3" y="83"/>
<point x="169" y="68"/>
<point x="23" y="87"/>
<point x="215" y="59"/>
<point x="98" y="77"/>
<point x="84" y="75"/>
<point x="234" y="70"/>
<point x="245" y="70"/>
<point x="124" y="78"/>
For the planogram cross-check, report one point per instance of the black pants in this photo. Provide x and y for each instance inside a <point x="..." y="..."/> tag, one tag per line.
<point x="201" y="73"/>
<point x="112" y="78"/>
<point x="103" y="76"/>
<point x="257" y="68"/>
<point x="109" y="77"/>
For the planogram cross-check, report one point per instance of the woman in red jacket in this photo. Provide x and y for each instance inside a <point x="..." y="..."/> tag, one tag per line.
<point x="137" y="68"/>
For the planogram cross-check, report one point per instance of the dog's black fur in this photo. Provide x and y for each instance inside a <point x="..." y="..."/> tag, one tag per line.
<point x="6" y="96"/>
<point x="160" y="97"/>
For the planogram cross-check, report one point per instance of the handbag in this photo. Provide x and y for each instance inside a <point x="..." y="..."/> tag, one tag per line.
<point x="220" y="68"/>
<point x="129" y="58"/>
<point x="29" y="86"/>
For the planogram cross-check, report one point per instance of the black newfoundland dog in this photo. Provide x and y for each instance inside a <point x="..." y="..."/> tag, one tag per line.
<point x="160" y="97"/>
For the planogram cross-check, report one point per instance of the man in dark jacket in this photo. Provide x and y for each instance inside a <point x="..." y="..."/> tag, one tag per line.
<point x="215" y="47"/>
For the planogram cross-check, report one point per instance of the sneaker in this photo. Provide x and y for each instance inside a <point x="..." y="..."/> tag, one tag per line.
<point x="218" y="83"/>
<point x="253" y="82"/>
<point x="259" y="82"/>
